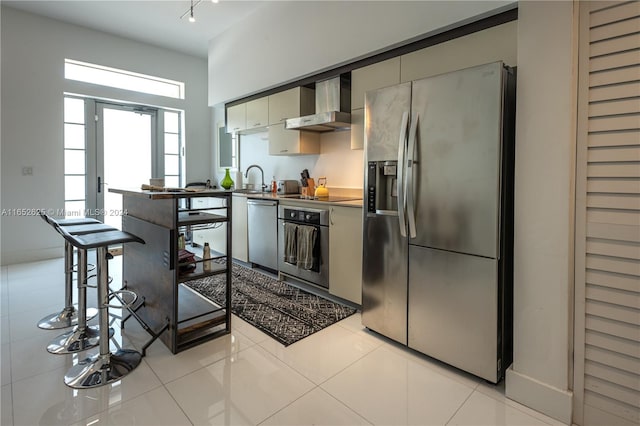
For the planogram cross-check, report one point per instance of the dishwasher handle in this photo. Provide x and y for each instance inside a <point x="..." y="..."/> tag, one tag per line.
<point x="262" y="202"/>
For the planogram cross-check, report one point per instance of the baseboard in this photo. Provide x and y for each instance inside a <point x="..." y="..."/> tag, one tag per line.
<point x="539" y="396"/>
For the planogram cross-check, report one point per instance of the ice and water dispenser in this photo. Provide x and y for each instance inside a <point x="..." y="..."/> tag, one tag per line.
<point x="382" y="188"/>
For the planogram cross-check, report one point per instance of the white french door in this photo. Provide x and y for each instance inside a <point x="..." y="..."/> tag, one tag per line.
<point x="127" y="152"/>
<point x="116" y="145"/>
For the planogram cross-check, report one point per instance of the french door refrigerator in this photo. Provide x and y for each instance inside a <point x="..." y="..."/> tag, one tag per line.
<point x="438" y="217"/>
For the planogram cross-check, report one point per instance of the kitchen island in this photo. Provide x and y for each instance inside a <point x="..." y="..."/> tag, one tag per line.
<point x="180" y="316"/>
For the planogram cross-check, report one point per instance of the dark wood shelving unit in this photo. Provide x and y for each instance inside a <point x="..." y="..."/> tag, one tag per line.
<point x="152" y="269"/>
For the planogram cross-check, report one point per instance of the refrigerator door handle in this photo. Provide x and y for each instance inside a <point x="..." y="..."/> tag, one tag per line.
<point x="402" y="146"/>
<point x="411" y="215"/>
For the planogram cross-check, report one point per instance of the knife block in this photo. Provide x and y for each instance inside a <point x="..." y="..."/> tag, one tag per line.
<point x="309" y="190"/>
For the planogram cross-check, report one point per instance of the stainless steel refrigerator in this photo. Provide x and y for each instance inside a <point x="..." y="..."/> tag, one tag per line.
<point x="438" y="216"/>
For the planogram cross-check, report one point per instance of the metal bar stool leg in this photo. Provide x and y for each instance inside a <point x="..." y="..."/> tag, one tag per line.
<point x="82" y="337"/>
<point x="105" y="367"/>
<point x="68" y="316"/>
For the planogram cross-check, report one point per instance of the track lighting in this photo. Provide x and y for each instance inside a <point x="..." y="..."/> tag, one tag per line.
<point x="191" y="17"/>
<point x="189" y="12"/>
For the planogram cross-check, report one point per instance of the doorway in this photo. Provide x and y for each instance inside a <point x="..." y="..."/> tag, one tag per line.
<point x="117" y="145"/>
<point x="126" y="155"/>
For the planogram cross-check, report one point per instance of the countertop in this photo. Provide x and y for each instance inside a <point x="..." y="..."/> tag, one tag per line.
<point x="178" y="193"/>
<point x="160" y="195"/>
<point x="291" y="199"/>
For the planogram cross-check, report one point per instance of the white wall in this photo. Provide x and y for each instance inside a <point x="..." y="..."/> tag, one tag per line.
<point x="285" y="41"/>
<point x="544" y="207"/>
<point x="342" y="167"/>
<point x="33" y="53"/>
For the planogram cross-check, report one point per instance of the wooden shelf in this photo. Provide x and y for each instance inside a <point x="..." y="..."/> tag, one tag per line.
<point x="198" y="218"/>
<point x="197" y="315"/>
<point x="199" y="271"/>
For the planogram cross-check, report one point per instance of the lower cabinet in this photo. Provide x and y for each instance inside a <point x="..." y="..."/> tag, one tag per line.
<point x="345" y="253"/>
<point x="216" y="236"/>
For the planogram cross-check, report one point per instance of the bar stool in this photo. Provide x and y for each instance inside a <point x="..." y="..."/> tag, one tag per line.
<point x="82" y="336"/>
<point x="68" y="316"/>
<point x="105" y="367"/>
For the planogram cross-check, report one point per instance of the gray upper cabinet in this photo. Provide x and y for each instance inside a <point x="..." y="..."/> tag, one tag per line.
<point x="499" y="43"/>
<point x="292" y="142"/>
<point x="291" y="103"/>
<point x="236" y="118"/>
<point x="357" y="128"/>
<point x="371" y="77"/>
<point x="257" y="113"/>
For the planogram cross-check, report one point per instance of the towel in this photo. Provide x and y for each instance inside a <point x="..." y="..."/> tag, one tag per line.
<point x="306" y="242"/>
<point x="290" y="247"/>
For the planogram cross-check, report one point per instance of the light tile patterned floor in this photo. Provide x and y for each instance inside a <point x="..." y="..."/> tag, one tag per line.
<point x="342" y="375"/>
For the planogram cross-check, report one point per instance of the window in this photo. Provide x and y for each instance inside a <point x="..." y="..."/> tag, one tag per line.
<point x="74" y="157"/>
<point x="172" y="148"/>
<point x="91" y="152"/>
<point x="121" y="79"/>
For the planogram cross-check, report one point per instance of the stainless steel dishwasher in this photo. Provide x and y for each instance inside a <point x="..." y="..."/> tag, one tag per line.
<point x="262" y="228"/>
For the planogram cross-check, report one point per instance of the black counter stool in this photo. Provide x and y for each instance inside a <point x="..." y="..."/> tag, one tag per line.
<point x="69" y="315"/>
<point x="105" y="367"/>
<point x="82" y="336"/>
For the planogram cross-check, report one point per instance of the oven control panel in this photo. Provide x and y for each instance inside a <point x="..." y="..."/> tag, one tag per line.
<point x="304" y="215"/>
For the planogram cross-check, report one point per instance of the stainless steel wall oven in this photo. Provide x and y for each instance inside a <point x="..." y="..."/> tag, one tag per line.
<point x="303" y="244"/>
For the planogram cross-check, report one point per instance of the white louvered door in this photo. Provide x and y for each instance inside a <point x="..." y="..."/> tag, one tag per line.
<point x="607" y="273"/>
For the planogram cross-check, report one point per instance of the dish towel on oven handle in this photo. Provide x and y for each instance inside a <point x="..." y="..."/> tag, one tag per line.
<point x="290" y="245"/>
<point x="306" y="242"/>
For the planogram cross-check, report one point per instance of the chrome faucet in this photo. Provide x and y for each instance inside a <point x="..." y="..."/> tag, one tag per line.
<point x="246" y="175"/>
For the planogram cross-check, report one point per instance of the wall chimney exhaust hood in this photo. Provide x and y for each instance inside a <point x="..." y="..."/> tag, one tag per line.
<point x="333" y="107"/>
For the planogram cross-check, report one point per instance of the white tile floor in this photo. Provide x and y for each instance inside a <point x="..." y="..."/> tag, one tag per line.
<point x="342" y="375"/>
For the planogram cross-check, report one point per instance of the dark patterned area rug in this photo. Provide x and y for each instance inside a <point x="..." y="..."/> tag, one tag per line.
<point x="282" y="311"/>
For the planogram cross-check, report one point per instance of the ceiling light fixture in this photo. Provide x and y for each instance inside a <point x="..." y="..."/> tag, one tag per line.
<point x="189" y="12"/>
<point x="191" y="17"/>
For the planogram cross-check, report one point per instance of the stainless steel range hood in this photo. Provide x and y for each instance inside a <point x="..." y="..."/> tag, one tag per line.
<point x="333" y="108"/>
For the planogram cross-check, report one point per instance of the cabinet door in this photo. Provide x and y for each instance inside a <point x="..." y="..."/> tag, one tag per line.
<point x="291" y="103"/>
<point x="236" y="118"/>
<point x="292" y="142"/>
<point x="239" y="228"/>
<point x="371" y="77"/>
<point x="345" y="253"/>
<point x="494" y="44"/>
<point x="357" y="128"/>
<point x="257" y="113"/>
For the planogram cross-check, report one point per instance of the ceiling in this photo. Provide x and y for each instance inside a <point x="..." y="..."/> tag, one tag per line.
<point x="155" y="22"/>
